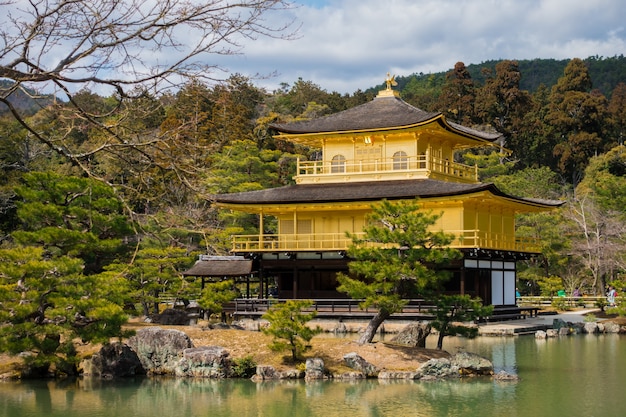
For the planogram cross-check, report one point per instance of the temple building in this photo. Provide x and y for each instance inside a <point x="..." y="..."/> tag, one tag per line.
<point x="383" y="149"/>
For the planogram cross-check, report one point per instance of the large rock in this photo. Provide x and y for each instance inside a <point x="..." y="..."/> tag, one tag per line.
<point x="171" y="317"/>
<point x="590" y="328"/>
<point x="505" y="376"/>
<point x="472" y="364"/>
<point x="611" y="327"/>
<point x="113" y="361"/>
<point x="268" y="372"/>
<point x="461" y="364"/>
<point x="356" y="362"/>
<point x="159" y="350"/>
<point x="413" y="335"/>
<point x="204" y="362"/>
<point x="404" y="375"/>
<point x="314" y="369"/>
<point x="437" y="368"/>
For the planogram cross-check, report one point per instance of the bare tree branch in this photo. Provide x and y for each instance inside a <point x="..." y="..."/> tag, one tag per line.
<point x="122" y="48"/>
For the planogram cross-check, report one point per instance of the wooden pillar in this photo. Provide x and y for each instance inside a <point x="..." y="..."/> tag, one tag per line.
<point x="462" y="283"/>
<point x="295" y="282"/>
<point x="262" y="290"/>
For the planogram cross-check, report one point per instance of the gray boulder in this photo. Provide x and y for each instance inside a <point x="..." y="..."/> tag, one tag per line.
<point x="552" y="333"/>
<point x="505" y="376"/>
<point x="171" y="317"/>
<point x="401" y="375"/>
<point x="356" y="362"/>
<point x="349" y="376"/>
<point x="611" y="327"/>
<point x="314" y="369"/>
<point x="413" y="335"/>
<point x="204" y="362"/>
<point x="472" y="364"/>
<point x="159" y="350"/>
<point x="268" y="372"/>
<point x="461" y="364"/>
<point x="114" y="360"/>
<point x="590" y="328"/>
<point x="437" y="368"/>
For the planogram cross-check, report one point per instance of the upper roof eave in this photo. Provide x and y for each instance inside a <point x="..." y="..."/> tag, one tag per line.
<point x="382" y="114"/>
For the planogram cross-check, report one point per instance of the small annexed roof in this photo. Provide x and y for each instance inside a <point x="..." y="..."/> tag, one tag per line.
<point x="220" y="266"/>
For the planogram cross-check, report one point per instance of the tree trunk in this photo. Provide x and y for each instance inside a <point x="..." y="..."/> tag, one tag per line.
<point x="372" y="327"/>
<point x="443" y="332"/>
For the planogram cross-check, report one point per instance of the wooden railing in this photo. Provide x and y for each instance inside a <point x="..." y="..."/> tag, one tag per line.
<point x="340" y="242"/>
<point x="338" y="306"/>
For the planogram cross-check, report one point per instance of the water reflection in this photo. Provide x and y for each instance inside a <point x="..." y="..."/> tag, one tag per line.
<point x="574" y="376"/>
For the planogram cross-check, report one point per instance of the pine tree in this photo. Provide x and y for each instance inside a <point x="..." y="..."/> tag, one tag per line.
<point x="395" y="260"/>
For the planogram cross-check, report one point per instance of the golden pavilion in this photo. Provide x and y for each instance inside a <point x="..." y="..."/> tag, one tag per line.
<point x="383" y="149"/>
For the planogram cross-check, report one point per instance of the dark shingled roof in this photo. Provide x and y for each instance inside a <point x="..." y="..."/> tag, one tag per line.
<point x="365" y="191"/>
<point x="220" y="266"/>
<point x="381" y="113"/>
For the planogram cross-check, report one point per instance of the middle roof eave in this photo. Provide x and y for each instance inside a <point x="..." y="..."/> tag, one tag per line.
<point x="363" y="191"/>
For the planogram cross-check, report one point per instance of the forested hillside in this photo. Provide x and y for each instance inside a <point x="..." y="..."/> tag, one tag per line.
<point x="606" y="73"/>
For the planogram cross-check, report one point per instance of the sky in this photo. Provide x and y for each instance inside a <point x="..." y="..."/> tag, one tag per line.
<point x="346" y="45"/>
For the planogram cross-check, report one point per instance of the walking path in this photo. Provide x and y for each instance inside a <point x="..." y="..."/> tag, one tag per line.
<point x="531" y="324"/>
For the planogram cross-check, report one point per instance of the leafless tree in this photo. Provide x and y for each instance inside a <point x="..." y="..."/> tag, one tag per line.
<point x="598" y="239"/>
<point x="121" y="48"/>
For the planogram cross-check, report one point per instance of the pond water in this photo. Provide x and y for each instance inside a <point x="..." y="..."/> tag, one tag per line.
<point x="583" y="375"/>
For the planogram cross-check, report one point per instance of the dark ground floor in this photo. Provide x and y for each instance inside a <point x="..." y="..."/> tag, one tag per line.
<point x="488" y="275"/>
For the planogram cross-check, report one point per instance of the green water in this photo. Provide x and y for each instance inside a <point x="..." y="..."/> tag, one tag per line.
<point x="571" y="376"/>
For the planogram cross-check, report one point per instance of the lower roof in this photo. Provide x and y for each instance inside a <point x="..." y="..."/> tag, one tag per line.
<point x="368" y="191"/>
<point x="220" y="266"/>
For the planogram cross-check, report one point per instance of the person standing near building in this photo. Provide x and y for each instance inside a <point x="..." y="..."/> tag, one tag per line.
<point x="610" y="297"/>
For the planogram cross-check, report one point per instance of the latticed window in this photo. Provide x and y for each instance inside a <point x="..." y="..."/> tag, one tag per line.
<point x="303" y="227"/>
<point x="400" y="160"/>
<point x="338" y="164"/>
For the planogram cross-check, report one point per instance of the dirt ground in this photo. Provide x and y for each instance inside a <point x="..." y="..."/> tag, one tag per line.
<point x="242" y="343"/>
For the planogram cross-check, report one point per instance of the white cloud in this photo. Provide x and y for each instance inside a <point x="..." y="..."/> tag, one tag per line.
<point x="351" y="44"/>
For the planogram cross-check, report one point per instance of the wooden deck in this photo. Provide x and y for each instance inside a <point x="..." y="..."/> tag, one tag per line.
<point x="328" y="309"/>
<point x="345" y="309"/>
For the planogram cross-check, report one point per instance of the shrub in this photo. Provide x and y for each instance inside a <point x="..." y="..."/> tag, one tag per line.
<point x="560" y="303"/>
<point x="243" y="367"/>
<point x="288" y="326"/>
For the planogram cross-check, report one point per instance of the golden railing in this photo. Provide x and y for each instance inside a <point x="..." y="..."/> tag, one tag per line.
<point x="339" y="242"/>
<point x="420" y="163"/>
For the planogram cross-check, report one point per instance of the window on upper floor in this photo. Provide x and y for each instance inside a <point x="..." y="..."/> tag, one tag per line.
<point x="338" y="164"/>
<point x="400" y="160"/>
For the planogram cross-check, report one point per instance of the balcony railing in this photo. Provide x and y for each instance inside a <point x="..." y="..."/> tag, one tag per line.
<point x="464" y="239"/>
<point x="420" y="164"/>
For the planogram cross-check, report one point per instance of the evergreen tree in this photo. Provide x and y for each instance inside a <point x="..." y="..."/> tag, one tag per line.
<point x="155" y="273"/>
<point x="396" y="259"/>
<point x="458" y="95"/>
<point x="49" y="305"/>
<point x="216" y="294"/>
<point x="500" y="102"/>
<point x="288" y="325"/>
<point x="453" y="312"/>
<point x="72" y="216"/>
<point x="576" y="116"/>
<point x="617" y="113"/>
